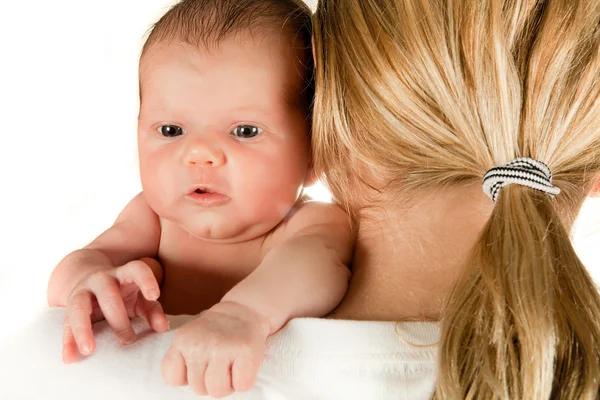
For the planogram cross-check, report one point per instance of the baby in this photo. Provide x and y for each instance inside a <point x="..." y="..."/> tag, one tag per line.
<point x="221" y="228"/>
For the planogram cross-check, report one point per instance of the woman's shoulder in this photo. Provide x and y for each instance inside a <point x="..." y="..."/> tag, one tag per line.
<point x="336" y="337"/>
<point x="331" y="359"/>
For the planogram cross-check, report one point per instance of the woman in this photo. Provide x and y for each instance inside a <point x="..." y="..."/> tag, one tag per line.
<point x="456" y="293"/>
<point x="422" y="100"/>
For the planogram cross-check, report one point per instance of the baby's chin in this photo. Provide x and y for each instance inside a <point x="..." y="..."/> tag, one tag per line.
<point x="226" y="233"/>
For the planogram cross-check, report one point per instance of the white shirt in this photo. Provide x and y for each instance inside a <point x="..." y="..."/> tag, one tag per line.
<point x="309" y="359"/>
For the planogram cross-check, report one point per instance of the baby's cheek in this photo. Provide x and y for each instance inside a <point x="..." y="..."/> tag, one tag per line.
<point x="148" y="174"/>
<point x="152" y="193"/>
<point x="156" y="183"/>
<point x="278" y="199"/>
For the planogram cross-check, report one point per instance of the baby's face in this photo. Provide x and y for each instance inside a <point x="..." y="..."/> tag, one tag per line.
<point x="223" y="142"/>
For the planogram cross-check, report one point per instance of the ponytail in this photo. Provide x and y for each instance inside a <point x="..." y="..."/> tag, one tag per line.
<point x="524" y="321"/>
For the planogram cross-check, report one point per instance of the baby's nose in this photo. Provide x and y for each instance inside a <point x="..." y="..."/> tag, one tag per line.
<point x="204" y="153"/>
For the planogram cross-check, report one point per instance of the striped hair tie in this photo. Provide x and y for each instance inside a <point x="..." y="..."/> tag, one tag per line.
<point x="522" y="171"/>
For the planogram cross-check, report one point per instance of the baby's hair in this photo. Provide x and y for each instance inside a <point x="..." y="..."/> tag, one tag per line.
<point x="432" y="94"/>
<point x="204" y="24"/>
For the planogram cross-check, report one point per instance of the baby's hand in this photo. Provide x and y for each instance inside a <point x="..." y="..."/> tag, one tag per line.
<point x="115" y="294"/>
<point x="219" y="352"/>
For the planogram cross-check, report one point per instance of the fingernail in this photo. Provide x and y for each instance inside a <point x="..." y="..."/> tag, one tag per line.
<point x="87" y="347"/>
<point x="154" y="294"/>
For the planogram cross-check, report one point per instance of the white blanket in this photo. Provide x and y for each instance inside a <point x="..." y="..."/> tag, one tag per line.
<point x="308" y="359"/>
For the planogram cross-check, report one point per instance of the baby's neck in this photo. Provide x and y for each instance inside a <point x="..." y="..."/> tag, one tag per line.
<point x="407" y="260"/>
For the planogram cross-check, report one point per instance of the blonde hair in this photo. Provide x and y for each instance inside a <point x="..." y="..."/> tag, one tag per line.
<point x="435" y="93"/>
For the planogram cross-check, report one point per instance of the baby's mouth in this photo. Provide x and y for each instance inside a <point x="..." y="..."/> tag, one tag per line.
<point x="207" y="197"/>
<point x="204" y="190"/>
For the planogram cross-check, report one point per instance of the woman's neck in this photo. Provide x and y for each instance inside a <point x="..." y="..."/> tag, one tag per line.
<point x="408" y="258"/>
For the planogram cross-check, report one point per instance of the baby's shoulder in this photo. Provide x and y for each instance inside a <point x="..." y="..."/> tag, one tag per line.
<point x="310" y="217"/>
<point x="326" y="221"/>
<point x="311" y="213"/>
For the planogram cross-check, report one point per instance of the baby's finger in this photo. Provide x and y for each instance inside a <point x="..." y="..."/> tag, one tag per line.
<point x="243" y="374"/>
<point x="111" y="303"/>
<point x="196" y="372"/>
<point x="78" y="324"/>
<point x="139" y="272"/>
<point x="218" y="377"/>
<point x="153" y="313"/>
<point x="70" y="353"/>
<point x="173" y="368"/>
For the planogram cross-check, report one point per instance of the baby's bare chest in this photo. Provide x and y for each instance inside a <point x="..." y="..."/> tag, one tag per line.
<point x="198" y="274"/>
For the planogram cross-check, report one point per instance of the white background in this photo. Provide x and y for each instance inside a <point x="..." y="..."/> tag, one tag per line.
<point x="68" y="109"/>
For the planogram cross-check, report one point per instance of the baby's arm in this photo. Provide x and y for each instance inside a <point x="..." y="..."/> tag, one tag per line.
<point x="134" y="235"/>
<point x="306" y="273"/>
<point x="114" y="278"/>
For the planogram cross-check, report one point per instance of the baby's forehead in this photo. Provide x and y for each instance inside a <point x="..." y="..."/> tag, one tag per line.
<point x="268" y="63"/>
<point x="270" y="43"/>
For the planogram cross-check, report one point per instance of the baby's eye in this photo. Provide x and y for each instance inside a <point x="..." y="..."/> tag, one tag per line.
<point x="246" y="131"/>
<point x="171" y="131"/>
